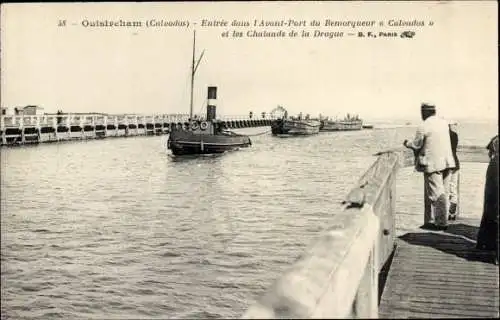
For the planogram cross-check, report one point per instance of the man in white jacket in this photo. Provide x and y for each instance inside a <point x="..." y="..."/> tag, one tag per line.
<point x="435" y="159"/>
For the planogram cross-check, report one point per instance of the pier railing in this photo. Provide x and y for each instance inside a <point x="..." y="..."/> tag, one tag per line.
<point x="20" y="121"/>
<point x="21" y="129"/>
<point x="337" y="276"/>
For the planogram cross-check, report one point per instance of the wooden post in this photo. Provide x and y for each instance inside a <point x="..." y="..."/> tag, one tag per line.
<point x="93" y="126"/>
<point x="53" y="124"/>
<point x="136" y="122"/>
<point x="82" y="124"/>
<point x="458" y="194"/>
<point x="2" y="126"/>
<point x="105" y="123"/>
<point x="21" y="126"/>
<point x="393" y="211"/>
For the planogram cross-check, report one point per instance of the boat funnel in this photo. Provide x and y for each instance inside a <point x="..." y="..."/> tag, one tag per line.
<point x="212" y="102"/>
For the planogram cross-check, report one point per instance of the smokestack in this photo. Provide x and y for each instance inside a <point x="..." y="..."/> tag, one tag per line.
<point x="212" y="103"/>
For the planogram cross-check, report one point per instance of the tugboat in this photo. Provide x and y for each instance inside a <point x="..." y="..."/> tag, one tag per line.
<point x="204" y="136"/>
<point x="294" y="125"/>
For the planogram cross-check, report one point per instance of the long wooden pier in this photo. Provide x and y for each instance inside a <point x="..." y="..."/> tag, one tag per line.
<point x="375" y="261"/>
<point x="60" y="127"/>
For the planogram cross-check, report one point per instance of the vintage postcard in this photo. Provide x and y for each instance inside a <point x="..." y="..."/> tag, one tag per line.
<point x="257" y="159"/>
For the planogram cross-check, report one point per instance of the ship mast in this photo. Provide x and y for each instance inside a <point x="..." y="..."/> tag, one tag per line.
<point x="193" y="71"/>
<point x="192" y="78"/>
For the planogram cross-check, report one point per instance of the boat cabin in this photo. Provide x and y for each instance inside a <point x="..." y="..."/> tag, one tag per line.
<point x="207" y="127"/>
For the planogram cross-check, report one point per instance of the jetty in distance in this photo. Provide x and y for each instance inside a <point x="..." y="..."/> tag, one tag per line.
<point x="50" y="127"/>
<point x="30" y="125"/>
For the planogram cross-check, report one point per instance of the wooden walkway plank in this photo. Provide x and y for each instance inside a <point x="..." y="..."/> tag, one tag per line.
<point x="418" y="287"/>
<point x="440" y="274"/>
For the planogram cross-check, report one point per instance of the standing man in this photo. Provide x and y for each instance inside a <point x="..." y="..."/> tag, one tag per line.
<point x="432" y="146"/>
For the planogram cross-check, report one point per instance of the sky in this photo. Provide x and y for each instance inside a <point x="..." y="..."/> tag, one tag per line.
<point x="452" y="63"/>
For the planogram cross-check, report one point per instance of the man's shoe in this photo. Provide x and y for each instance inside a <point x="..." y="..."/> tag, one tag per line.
<point x="428" y="226"/>
<point x="453" y="208"/>
<point x="453" y="212"/>
<point x="441" y="228"/>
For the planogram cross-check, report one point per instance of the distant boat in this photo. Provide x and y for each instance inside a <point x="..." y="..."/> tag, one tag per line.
<point x="349" y="123"/>
<point x="295" y="126"/>
<point x="204" y="136"/>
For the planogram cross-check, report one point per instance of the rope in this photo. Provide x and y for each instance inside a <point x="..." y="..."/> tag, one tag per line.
<point x="201" y="107"/>
<point x="258" y="134"/>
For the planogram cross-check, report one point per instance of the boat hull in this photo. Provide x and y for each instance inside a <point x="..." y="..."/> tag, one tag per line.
<point x="182" y="142"/>
<point x="341" y="125"/>
<point x="295" y="127"/>
<point x="277" y="127"/>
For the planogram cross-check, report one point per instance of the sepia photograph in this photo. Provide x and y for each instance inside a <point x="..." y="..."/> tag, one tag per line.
<point x="249" y="160"/>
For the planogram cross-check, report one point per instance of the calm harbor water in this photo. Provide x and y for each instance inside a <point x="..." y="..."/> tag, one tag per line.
<point x="116" y="228"/>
